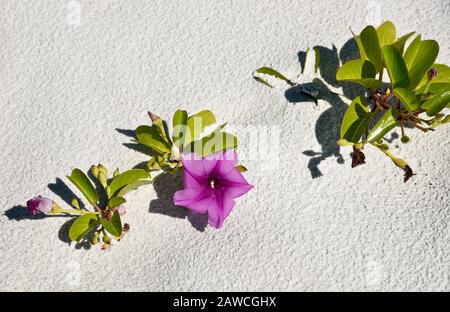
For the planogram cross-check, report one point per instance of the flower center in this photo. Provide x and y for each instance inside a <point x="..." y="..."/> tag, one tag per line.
<point x="213" y="182"/>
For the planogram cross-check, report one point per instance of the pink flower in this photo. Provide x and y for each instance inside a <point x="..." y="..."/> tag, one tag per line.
<point x="211" y="184"/>
<point x="39" y="204"/>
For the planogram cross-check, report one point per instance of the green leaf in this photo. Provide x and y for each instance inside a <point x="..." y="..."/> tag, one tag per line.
<point x="115" y="226"/>
<point x="369" y="40"/>
<point x="132" y="186"/>
<point x="213" y="143"/>
<point x="82" y="225"/>
<point x="386" y="123"/>
<point x="303" y="62"/>
<point x="399" y="45"/>
<point x="150" y="137"/>
<point x="81" y="181"/>
<point x="408" y="98"/>
<point x="362" y="53"/>
<point x="126" y="178"/>
<point x="263" y="81"/>
<point x="355" y="120"/>
<point x="272" y="72"/>
<point x="439" y="101"/>
<point x="359" y="71"/>
<point x="316" y="59"/>
<point x="116" y="201"/>
<point x="387" y="33"/>
<point x="419" y="57"/>
<point x="396" y="67"/>
<point x="197" y="123"/>
<point x="179" y="124"/>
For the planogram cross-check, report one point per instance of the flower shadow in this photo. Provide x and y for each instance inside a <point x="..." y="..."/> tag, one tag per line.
<point x="165" y="185"/>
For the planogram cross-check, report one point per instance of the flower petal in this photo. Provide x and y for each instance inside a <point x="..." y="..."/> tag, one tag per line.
<point x="228" y="155"/>
<point x="229" y="175"/>
<point x="193" y="199"/>
<point x="237" y="191"/>
<point x="219" y="210"/>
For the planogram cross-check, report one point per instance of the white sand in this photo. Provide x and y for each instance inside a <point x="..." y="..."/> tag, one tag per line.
<point x="65" y="88"/>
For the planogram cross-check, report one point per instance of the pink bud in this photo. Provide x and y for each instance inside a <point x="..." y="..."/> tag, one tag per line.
<point x="39" y="204"/>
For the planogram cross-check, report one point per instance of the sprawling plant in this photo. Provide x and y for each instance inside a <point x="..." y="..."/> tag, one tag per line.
<point x="103" y="221"/>
<point x="415" y="96"/>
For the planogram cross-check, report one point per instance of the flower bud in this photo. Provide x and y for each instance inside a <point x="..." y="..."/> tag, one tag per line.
<point x="384" y="147"/>
<point x="432" y="73"/>
<point x="75" y="204"/>
<point x="103" y="169"/>
<point x="102" y="179"/>
<point x="405" y="139"/>
<point x="95" y="239"/>
<point x="94" y="170"/>
<point x="39" y="204"/>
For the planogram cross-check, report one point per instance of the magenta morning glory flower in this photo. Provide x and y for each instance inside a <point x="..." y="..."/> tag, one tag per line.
<point x="211" y="184"/>
<point x="39" y="204"/>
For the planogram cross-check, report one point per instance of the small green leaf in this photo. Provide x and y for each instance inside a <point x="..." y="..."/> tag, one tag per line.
<point x="387" y="33"/>
<point x="126" y="178"/>
<point x="150" y="137"/>
<point x="213" y="143"/>
<point x="116" y="201"/>
<point x="82" y="225"/>
<point x="115" y="226"/>
<point x="316" y="59"/>
<point x="439" y="101"/>
<point x="399" y="45"/>
<point x="408" y="98"/>
<point x="241" y="168"/>
<point x="263" y="81"/>
<point x="81" y="181"/>
<point x="272" y="72"/>
<point x="396" y="67"/>
<point x="197" y="123"/>
<point x="419" y="57"/>
<point x="369" y="40"/>
<point x="359" y="71"/>
<point x="355" y="120"/>
<point x="132" y="186"/>
<point x="386" y="123"/>
<point x="179" y="124"/>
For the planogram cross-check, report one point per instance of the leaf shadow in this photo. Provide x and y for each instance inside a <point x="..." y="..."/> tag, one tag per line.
<point x="134" y="145"/>
<point x="165" y="185"/>
<point x="327" y="127"/>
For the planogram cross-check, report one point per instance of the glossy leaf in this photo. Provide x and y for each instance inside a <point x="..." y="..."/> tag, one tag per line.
<point x="126" y="178"/>
<point x="359" y="71"/>
<point x="419" y="57"/>
<point x="385" y="124"/>
<point x="439" y="101"/>
<point x="179" y="124"/>
<point x="408" y="98"/>
<point x="396" y="67"/>
<point x="82" y="182"/>
<point x="272" y="72"/>
<point x="150" y="137"/>
<point x="82" y="225"/>
<point x="197" y="123"/>
<point x="399" y="45"/>
<point x="215" y="142"/>
<point x="115" y="226"/>
<point x="387" y="33"/>
<point x="116" y="201"/>
<point x="132" y="186"/>
<point x="355" y="120"/>
<point x="369" y="40"/>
